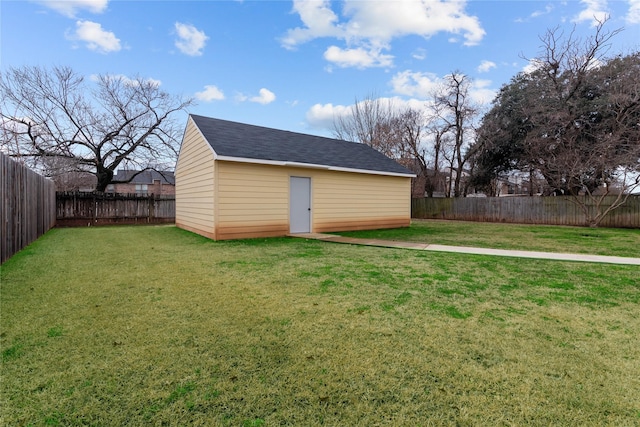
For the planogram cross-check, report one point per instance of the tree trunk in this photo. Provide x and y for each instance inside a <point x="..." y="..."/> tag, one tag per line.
<point x="456" y="188"/>
<point x="104" y="177"/>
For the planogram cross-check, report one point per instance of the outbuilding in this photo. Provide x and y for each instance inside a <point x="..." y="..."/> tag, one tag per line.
<point x="235" y="180"/>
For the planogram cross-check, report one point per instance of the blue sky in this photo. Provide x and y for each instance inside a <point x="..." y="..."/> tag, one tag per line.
<point x="294" y="64"/>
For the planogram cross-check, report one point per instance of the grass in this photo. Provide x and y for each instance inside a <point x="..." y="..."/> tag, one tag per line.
<point x="596" y="241"/>
<point x="157" y="326"/>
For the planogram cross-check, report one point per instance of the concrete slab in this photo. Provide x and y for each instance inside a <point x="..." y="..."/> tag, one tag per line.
<point x="471" y="250"/>
<point x="536" y="255"/>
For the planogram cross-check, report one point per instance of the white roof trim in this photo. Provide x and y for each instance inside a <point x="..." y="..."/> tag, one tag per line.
<point x="309" y="166"/>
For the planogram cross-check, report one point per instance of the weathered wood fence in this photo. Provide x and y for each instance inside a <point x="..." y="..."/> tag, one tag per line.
<point x="28" y="206"/>
<point x="88" y="209"/>
<point x="524" y="210"/>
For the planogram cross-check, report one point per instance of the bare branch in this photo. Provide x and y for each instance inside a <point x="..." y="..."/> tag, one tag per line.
<point x="57" y="114"/>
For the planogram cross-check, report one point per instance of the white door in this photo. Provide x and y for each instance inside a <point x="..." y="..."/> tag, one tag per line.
<point x="300" y="205"/>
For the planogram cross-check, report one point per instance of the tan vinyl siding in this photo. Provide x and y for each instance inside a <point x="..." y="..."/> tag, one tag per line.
<point x="351" y="201"/>
<point x="253" y="200"/>
<point x="195" y="184"/>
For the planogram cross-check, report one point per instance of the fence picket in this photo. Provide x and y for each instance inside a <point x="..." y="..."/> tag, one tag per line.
<point x="82" y="209"/>
<point x="27" y="208"/>
<point x="524" y="210"/>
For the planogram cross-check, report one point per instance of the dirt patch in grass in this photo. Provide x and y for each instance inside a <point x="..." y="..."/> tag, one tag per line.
<point x="154" y="325"/>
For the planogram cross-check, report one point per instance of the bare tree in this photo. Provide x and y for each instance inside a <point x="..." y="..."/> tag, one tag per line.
<point x="436" y="140"/>
<point x="397" y="132"/>
<point x="421" y="139"/>
<point x="54" y="114"/>
<point x="64" y="172"/>
<point x="457" y="114"/>
<point x="370" y="121"/>
<point x="409" y="127"/>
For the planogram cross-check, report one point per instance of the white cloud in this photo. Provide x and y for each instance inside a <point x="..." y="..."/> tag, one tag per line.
<point x="594" y="12"/>
<point x="210" y="93"/>
<point x="419" y="54"/>
<point x="384" y="20"/>
<point x="372" y="25"/>
<point x="531" y="66"/>
<point x="191" y="41"/>
<point x="359" y="57"/>
<point x="323" y="116"/>
<point x="95" y="37"/>
<point x="414" y="89"/>
<point x="547" y="10"/>
<point x="155" y="82"/>
<point x="319" y="20"/>
<point x="415" y="84"/>
<point x="265" y="97"/>
<point x="633" y="17"/>
<point x="481" y="93"/>
<point x="71" y="7"/>
<point x="486" y="66"/>
<point x="127" y="80"/>
<point x="424" y="85"/>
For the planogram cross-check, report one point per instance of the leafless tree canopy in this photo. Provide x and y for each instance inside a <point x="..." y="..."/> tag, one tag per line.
<point x="456" y="114"/>
<point x="427" y="140"/>
<point x="395" y="131"/>
<point x="371" y="122"/>
<point x="50" y="114"/>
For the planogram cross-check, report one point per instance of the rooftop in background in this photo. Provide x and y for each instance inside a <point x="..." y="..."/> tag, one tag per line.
<point x="237" y="141"/>
<point x="145" y="177"/>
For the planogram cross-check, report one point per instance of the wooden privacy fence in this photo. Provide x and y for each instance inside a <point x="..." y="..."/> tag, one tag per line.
<point x="524" y="210"/>
<point x="87" y="209"/>
<point x="28" y="207"/>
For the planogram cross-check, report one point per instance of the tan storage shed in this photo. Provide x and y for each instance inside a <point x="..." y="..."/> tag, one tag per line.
<point x="235" y="181"/>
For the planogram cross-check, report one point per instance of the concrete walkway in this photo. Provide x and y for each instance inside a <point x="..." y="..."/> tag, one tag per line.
<point x="467" y="250"/>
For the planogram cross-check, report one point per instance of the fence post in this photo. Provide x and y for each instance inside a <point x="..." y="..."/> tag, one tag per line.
<point x="152" y="202"/>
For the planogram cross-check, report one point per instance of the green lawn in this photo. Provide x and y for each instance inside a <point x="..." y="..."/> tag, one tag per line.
<point x="158" y="326"/>
<point x="596" y="241"/>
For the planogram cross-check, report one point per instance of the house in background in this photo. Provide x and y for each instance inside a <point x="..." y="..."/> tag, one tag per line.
<point x="236" y="180"/>
<point x="75" y="181"/>
<point x="146" y="182"/>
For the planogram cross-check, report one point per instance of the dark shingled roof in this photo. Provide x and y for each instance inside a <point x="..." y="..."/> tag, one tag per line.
<point x="145" y="177"/>
<point x="232" y="139"/>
